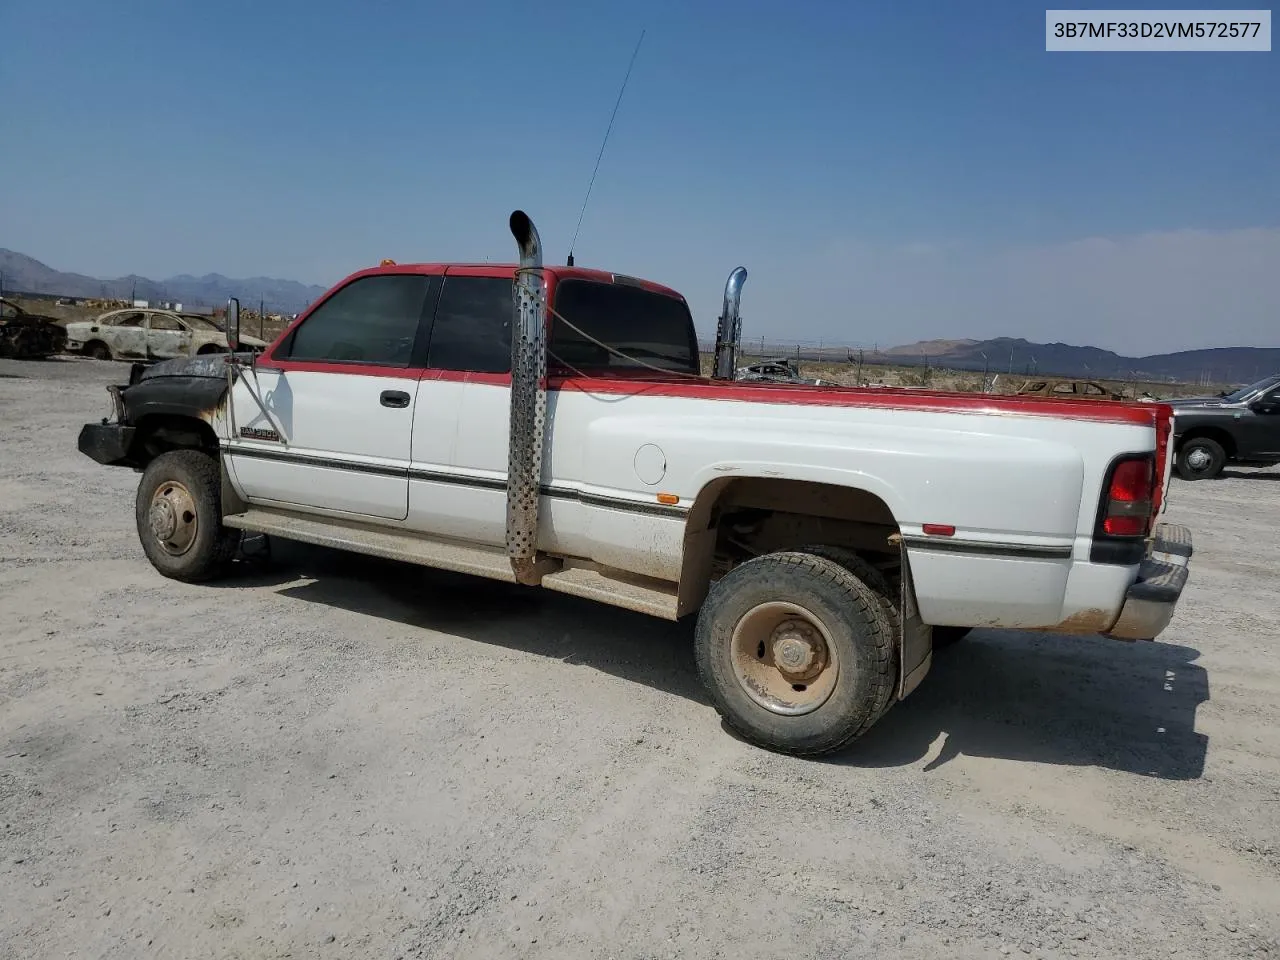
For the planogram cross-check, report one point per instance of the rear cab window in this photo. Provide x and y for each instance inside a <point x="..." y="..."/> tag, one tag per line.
<point x="472" y="327"/>
<point x="654" y="328"/>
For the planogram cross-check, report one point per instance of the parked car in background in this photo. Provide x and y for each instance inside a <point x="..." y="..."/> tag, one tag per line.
<point x="28" y="336"/>
<point x="1241" y="427"/>
<point x="148" y="334"/>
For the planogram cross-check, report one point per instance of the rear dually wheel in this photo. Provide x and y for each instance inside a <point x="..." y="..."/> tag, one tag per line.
<point x="796" y="652"/>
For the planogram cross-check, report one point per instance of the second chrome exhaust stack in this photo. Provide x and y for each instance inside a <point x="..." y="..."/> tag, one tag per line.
<point x="729" y="327"/>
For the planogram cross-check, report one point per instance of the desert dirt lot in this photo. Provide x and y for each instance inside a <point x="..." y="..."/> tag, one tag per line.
<point x="333" y="756"/>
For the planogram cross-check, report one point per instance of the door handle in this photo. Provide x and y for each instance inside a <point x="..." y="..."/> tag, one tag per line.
<point x="394" y="398"/>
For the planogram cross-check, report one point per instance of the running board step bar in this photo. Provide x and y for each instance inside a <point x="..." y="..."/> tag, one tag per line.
<point x="656" y="598"/>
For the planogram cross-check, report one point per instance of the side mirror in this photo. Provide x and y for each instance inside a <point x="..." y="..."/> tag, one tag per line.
<point x="233" y="324"/>
<point x="1265" y="406"/>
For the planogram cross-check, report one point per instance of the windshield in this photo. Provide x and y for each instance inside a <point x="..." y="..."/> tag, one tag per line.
<point x="1239" y="395"/>
<point x="654" y="328"/>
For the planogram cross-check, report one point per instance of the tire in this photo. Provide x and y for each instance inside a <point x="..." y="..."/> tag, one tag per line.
<point x="946" y="636"/>
<point x="860" y="568"/>
<point x="840" y="646"/>
<point x="183" y="535"/>
<point x="868" y="574"/>
<point x="97" y="350"/>
<point x="1200" y="458"/>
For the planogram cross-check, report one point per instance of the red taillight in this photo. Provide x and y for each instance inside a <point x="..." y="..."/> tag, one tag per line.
<point x="1129" y="499"/>
<point x="1132" y="481"/>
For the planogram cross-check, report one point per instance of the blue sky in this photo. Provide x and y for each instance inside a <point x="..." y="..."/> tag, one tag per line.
<point x="886" y="172"/>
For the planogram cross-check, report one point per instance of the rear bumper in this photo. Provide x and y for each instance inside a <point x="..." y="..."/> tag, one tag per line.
<point x="1151" y="599"/>
<point x="107" y="443"/>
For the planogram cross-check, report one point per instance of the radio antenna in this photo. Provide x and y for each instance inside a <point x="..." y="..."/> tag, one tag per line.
<point x="607" y="131"/>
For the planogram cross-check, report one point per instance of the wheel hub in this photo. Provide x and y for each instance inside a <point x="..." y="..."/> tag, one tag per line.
<point x="1198" y="458"/>
<point x="783" y="658"/>
<point x="163" y="522"/>
<point x="798" y="650"/>
<point x="172" y="518"/>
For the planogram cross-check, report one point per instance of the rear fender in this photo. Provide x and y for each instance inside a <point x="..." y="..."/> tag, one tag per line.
<point x="915" y="645"/>
<point x="716" y="474"/>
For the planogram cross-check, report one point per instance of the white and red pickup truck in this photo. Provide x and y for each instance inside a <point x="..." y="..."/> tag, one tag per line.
<point x="550" y="426"/>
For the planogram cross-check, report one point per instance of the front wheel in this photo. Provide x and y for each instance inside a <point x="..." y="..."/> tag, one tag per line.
<point x="796" y="653"/>
<point x="179" y="517"/>
<point x="1200" y="458"/>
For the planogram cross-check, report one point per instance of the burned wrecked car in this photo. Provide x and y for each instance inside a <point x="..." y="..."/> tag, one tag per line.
<point x="1068" y="387"/>
<point x="781" y="370"/>
<point x="28" y="336"/>
<point x="150" y="334"/>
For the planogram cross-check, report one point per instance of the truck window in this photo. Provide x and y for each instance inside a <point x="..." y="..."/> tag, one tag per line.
<point x="652" y="327"/>
<point x="371" y="320"/>
<point x="472" y="329"/>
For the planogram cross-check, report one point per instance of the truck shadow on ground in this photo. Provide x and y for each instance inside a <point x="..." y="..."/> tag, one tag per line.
<point x="1072" y="701"/>
<point x="628" y="645"/>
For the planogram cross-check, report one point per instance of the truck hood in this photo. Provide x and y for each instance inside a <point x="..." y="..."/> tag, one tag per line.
<point x="213" y="365"/>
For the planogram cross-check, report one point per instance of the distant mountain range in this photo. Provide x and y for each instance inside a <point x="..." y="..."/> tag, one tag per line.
<point x="23" y="274"/>
<point x="1022" y="358"/>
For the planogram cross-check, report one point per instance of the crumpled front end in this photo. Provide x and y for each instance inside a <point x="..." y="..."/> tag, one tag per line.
<point x="177" y="401"/>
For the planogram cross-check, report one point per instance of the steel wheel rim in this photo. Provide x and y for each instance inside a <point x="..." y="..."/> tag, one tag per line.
<point x="784" y="658"/>
<point x="173" y="519"/>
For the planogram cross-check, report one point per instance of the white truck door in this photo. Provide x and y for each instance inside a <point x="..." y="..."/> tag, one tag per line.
<point x="340" y="391"/>
<point x="457" y="482"/>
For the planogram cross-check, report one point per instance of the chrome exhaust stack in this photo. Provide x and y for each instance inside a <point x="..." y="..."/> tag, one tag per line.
<point x="528" y="404"/>
<point x="729" y="327"/>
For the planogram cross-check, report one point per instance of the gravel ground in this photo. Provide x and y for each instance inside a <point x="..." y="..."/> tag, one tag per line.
<point x="333" y="756"/>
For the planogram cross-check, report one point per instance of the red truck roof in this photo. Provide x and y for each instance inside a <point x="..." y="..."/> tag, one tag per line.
<point x="509" y="269"/>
